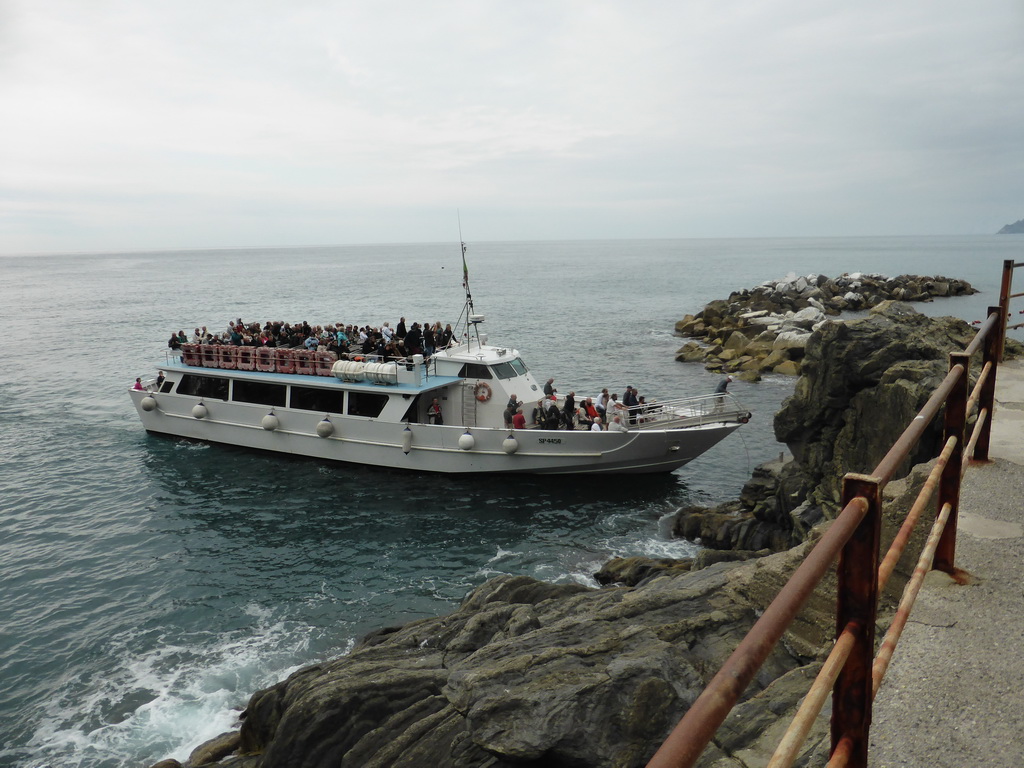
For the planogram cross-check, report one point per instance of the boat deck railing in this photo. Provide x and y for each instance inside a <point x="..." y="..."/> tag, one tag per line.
<point x="695" y="411"/>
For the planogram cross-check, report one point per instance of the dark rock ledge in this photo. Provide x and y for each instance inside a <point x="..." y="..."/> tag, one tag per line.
<point x="766" y="329"/>
<point x="526" y="673"/>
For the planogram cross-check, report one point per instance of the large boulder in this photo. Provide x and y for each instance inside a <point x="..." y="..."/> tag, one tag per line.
<point x="791" y="340"/>
<point x="805" y="318"/>
<point x="862" y="383"/>
<point x="737" y="342"/>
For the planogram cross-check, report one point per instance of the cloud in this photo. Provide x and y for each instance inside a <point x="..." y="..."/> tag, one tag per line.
<point x="190" y="124"/>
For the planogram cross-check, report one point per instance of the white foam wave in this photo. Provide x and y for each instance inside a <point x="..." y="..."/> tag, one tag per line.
<point x="662" y="334"/>
<point x="182" y="445"/>
<point x="501" y="554"/>
<point x="164" y="701"/>
<point x="488" y="573"/>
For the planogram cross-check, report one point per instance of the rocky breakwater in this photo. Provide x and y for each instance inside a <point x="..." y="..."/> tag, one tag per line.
<point x="864" y="380"/>
<point x="766" y="329"/>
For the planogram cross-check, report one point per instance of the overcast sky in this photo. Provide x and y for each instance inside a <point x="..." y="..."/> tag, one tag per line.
<point x="146" y="124"/>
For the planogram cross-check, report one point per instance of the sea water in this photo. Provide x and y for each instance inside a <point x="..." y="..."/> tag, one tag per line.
<point x="148" y="586"/>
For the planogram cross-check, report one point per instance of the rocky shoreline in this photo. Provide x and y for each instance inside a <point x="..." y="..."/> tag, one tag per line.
<point x="766" y="328"/>
<point x="526" y="673"/>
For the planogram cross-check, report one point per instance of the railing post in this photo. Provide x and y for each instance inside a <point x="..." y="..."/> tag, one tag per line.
<point x="1004" y="303"/>
<point x="991" y="353"/>
<point x="856" y="607"/>
<point x="949" y="481"/>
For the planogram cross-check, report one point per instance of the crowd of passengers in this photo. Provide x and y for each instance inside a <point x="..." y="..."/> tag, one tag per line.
<point x="607" y="413"/>
<point x="386" y="342"/>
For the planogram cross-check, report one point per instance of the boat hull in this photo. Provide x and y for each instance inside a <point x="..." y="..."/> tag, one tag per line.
<point x="426" y="447"/>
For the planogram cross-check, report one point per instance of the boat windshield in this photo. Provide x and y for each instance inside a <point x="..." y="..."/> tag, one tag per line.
<point x="504" y="371"/>
<point x="475" y="371"/>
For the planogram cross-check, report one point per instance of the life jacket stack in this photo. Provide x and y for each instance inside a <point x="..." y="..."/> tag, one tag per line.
<point x="267" y="359"/>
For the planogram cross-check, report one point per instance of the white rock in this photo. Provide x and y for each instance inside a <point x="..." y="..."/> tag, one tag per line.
<point x="768" y="321"/>
<point x="805" y="318"/>
<point x="791" y="340"/>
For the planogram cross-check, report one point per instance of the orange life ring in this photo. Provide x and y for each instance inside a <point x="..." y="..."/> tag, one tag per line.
<point x="482" y="391"/>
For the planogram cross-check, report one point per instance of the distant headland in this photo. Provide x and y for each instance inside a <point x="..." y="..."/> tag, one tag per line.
<point x="1017" y="228"/>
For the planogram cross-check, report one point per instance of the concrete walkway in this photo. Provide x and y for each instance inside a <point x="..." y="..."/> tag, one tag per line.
<point x="953" y="696"/>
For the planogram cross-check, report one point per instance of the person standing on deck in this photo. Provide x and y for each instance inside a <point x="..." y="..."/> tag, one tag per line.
<point x="428" y="340"/>
<point x="434" y="413"/>
<point x="569" y="410"/>
<point x="720" y="392"/>
<point x="629" y="400"/>
<point x="602" y="403"/>
<point x="414" y="340"/>
<point x="519" y="420"/>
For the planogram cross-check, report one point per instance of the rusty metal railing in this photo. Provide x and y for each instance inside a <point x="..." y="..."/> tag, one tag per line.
<point x="852" y="672"/>
<point x="1004" y="301"/>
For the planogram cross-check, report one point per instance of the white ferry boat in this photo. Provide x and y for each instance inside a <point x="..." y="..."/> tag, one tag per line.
<point x="367" y="411"/>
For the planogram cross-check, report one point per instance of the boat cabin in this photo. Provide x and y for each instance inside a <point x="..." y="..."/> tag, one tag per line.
<point x="473" y="384"/>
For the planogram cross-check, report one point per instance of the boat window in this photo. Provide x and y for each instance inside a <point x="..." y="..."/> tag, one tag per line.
<point x="475" y="371"/>
<point x="167" y="387"/>
<point x="316" y="399"/>
<point x="258" y="392"/>
<point x="203" y="386"/>
<point x="504" y="371"/>
<point x="412" y="413"/>
<point x="367" y="404"/>
<point x="519" y="366"/>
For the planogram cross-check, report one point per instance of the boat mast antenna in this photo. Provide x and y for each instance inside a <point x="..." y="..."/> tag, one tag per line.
<point x="465" y="269"/>
<point x="471" y="323"/>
